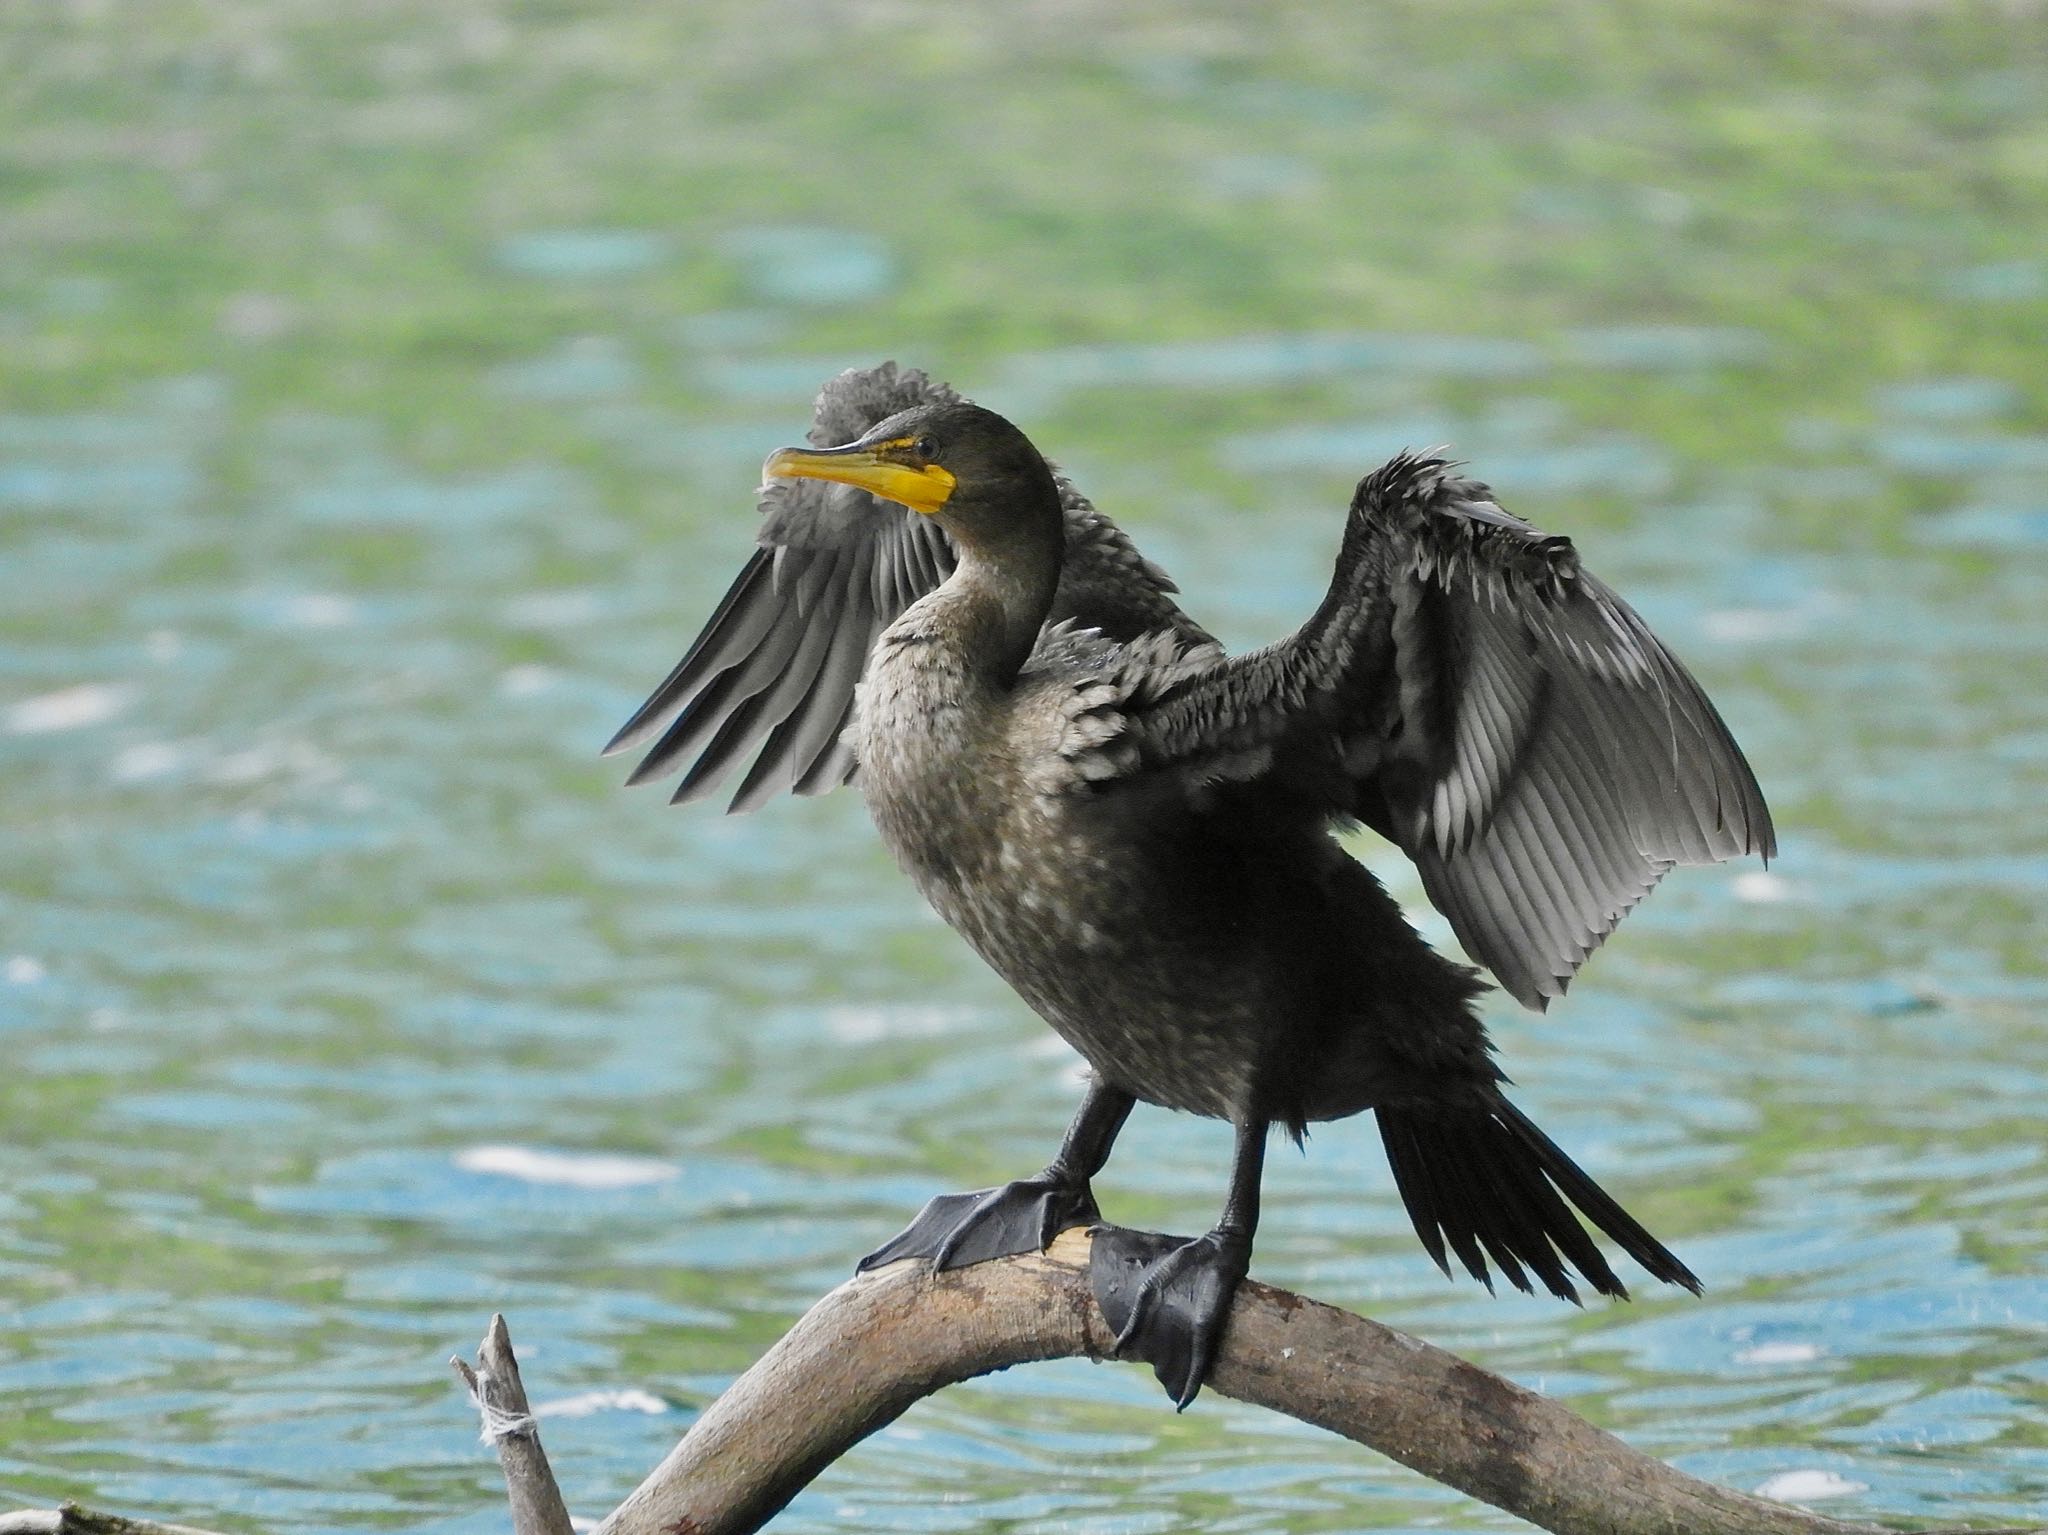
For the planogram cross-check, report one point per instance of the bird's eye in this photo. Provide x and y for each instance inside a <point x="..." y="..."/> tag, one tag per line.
<point x="924" y="448"/>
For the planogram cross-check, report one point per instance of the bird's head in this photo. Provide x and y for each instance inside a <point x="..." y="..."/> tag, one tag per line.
<point x="967" y="467"/>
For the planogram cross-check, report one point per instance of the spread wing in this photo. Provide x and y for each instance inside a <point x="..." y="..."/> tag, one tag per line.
<point x="772" y="675"/>
<point x="1474" y="694"/>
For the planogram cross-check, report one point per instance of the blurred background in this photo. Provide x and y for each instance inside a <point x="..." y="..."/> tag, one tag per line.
<point x="382" y="393"/>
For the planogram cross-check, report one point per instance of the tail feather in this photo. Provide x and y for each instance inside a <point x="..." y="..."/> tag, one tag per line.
<point x="1482" y="1181"/>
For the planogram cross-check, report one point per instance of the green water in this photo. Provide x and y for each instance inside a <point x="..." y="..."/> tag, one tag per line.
<point x="380" y="403"/>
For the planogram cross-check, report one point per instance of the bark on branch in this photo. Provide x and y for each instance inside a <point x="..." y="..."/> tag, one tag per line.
<point x="500" y="1397"/>
<point x="878" y="1343"/>
<point x="73" y="1520"/>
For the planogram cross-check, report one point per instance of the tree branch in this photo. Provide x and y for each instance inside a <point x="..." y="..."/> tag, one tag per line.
<point x="500" y="1396"/>
<point x="880" y="1342"/>
<point x="73" y="1520"/>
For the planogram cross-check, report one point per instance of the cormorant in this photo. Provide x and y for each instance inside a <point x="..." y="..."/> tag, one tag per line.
<point x="1135" y="830"/>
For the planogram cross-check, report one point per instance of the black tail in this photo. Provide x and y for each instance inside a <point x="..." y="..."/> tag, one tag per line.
<point x="1484" y="1177"/>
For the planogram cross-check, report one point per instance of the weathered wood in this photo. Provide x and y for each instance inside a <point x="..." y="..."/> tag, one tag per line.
<point x="537" y="1507"/>
<point x="73" y="1520"/>
<point x="880" y="1342"/>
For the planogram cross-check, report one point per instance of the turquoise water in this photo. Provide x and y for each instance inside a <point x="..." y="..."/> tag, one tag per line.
<point x="379" y="414"/>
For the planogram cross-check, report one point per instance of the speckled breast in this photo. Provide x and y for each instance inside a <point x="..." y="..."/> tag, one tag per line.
<point x="1063" y="903"/>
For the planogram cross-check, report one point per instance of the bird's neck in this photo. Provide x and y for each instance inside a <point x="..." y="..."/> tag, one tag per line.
<point x="1004" y="588"/>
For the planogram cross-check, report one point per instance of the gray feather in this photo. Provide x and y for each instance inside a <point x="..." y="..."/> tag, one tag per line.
<point x="1547" y="758"/>
<point x="773" y="673"/>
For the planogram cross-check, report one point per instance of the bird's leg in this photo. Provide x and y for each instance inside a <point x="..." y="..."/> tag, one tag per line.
<point x="955" y="1230"/>
<point x="1167" y="1297"/>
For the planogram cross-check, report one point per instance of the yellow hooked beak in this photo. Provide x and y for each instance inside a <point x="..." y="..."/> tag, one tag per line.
<point x="885" y="469"/>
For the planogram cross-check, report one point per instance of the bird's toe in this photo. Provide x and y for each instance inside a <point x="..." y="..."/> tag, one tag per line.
<point x="954" y="1230"/>
<point x="1168" y="1299"/>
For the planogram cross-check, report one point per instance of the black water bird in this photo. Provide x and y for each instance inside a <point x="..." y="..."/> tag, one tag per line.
<point x="1135" y="830"/>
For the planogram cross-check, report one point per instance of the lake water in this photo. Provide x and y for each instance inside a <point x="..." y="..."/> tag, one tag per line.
<point x="380" y="405"/>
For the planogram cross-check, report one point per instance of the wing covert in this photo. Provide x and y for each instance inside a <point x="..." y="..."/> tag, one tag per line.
<point x="1470" y="691"/>
<point x="773" y="673"/>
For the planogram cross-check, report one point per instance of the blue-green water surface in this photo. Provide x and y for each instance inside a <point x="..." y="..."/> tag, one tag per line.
<point x="381" y="399"/>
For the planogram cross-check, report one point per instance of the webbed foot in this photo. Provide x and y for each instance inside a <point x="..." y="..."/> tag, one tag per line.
<point x="1168" y="1299"/>
<point x="954" y="1230"/>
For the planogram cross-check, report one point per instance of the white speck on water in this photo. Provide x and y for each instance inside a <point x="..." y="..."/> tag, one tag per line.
<point x="525" y="680"/>
<point x="582" y="1170"/>
<point x="1807" y="1487"/>
<point x="586" y="1403"/>
<point x="1749" y="626"/>
<point x="257" y="317"/>
<point x="554" y="610"/>
<point x="1664" y="207"/>
<point x="90" y="703"/>
<point x="319" y="610"/>
<point x="24" y="970"/>
<point x="1760" y="887"/>
<point x="245" y="767"/>
<point x="272" y="759"/>
<point x="144" y="760"/>
<point x="865" y="1025"/>
<point x="1779" y="1353"/>
<point x="163" y="645"/>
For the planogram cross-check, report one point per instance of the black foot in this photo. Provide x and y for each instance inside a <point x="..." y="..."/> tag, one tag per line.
<point x="1168" y="1299"/>
<point x="955" y="1230"/>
